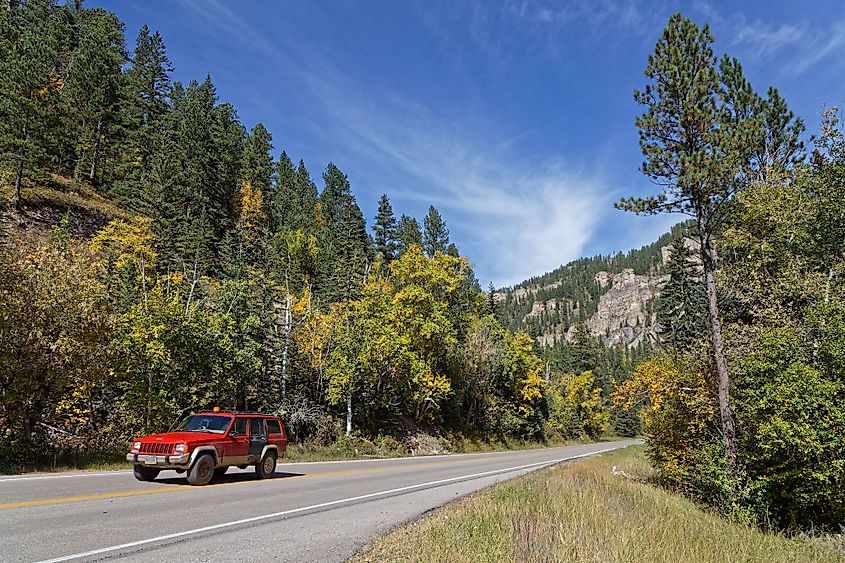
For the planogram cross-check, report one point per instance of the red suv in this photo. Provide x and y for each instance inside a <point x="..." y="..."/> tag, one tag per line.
<point x="206" y="444"/>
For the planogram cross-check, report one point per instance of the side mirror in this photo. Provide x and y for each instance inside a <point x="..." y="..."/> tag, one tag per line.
<point x="233" y="434"/>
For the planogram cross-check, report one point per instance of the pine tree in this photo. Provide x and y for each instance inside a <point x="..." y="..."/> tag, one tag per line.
<point x="282" y="201"/>
<point x="698" y="135"/>
<point x="305" y="199"/>
<point x="435" y="235"/>
<point x="408" y="232"/>
<point x="682" y="304"/>
<point x="150" y="85"/>
<point x="28" y="87"/>
<point x="208" y="145"/>
<point x="344" y="241"/>
<point x="96" y="85"/>
<point x="350" y="251"/>
<point x="385" y="227"/>
<point x="335" y="195"/>
<point x="257" y="160"/>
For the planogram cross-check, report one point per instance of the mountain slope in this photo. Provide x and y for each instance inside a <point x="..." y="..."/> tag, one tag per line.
<point x="613" y="296"/>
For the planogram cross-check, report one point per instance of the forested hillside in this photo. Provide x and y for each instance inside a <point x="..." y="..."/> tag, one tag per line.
<point x="552" y="305"/>
<point x="158" y="255"/>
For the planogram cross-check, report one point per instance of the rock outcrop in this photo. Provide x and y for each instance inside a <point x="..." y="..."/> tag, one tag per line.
<point x="624" y="315"/>
<point x="621" y="310"/>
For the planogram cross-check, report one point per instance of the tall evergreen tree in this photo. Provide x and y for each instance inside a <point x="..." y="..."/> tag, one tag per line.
<point x="435" y="235"/>
<point x="257" y="159"/>
<point x="350" y="251"/>
<point x="28" y="87"/>
<point x="208" y="144"/>
<point x="150" y="84"/>
<point x="698" y="134"/>
<point x="96" y="85"/>
<point x="682" y="306"/>
<point x="282" y="200"/>
<point x="408" y="232"/>
<point x="385" y="229"/>
<point x="305" y="199"/>
<point x="344" y="240"/>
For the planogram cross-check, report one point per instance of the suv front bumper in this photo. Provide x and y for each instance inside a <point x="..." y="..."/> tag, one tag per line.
<point x="160" y="461"/>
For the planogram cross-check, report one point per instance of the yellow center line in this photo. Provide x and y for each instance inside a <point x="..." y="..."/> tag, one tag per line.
<point x="116" y="494"/>
<point x="41" y="502"/>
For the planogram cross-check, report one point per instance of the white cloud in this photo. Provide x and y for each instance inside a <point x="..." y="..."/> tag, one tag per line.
<point x="514" y="217"/>
<point x="794" y="46"/>
<point x="767" y="40"/>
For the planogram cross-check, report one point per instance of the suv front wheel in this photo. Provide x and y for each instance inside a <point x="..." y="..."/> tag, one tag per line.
<point x="267" y="465"/>
<point x="202" y="471"/>
<point x="144" y="473"/>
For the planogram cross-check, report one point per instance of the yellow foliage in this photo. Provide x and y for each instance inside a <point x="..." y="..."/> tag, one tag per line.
<point x="74" y="408"/>
<point x="585" y="397"/>
<point x="250" y="207"/>
<point x="128" y="244"/>
<point x="523" y="368"/>
<point x="679" y="406"/>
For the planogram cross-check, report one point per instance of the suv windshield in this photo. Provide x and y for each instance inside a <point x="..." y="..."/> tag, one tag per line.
<point x="205" y="423"/>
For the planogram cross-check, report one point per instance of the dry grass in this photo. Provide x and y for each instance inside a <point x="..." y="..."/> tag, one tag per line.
<point x="583" y="512"/>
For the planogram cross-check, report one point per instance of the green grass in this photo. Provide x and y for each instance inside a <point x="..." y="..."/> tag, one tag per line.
<point x="584" y="512"/>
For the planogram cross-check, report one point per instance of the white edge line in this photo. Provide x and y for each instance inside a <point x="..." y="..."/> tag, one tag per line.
<point x="313" y="507"/>
<point x="35" y="477"/>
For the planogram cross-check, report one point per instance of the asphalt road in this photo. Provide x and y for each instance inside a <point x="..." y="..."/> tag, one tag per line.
<point x="321" y="511"/>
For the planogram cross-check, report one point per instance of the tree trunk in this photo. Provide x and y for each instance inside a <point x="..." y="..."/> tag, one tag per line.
<point x="349" y="415"/>
<point x="283" y="381"/>
<point x="95" y="157"/>
<point x="19" y="173"/>
<point x="18" y="182"/>
<point x="725" y="410"/>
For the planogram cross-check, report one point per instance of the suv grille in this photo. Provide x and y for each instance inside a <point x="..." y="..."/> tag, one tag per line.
<point x="157" y="448"/>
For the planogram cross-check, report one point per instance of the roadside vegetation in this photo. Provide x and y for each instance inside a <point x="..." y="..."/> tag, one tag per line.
<point x="605" y="508"/>
<point x="743" y="404"/>
<point x="158" y="256"/>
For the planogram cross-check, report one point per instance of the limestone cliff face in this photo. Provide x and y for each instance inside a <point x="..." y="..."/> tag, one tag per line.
<point x="619" y="309"/>
<point x="624" y="316"/>
<point x="613" y="295"/>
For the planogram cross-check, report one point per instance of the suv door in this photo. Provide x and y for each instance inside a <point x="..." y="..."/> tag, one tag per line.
<point x="257" y="438"/>
<point x="236" y="444"/>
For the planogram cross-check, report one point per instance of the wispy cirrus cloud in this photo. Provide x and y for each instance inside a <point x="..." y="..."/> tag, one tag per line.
<point x="796" y="46"/>
<point x="515" y="217"/>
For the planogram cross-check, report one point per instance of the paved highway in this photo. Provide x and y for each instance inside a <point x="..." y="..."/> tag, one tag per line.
<point x="321" y="511"/>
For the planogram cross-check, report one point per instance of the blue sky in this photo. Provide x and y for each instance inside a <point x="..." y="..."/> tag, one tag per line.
<point x="514" y="117"/>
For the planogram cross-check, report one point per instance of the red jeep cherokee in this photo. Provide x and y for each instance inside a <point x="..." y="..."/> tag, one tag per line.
<point x="206" y="444"/>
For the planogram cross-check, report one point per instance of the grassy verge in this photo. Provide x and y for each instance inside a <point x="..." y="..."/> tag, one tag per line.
<point x="585" y="511"/>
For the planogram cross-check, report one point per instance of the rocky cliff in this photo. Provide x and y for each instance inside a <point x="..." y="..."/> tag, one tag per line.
<point x="613" y="296"/>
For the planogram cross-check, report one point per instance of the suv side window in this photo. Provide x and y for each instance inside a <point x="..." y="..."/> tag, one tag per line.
<point x="256" y="427"/>
<point x="273" y="426"/>
<point x="240" y="426"/>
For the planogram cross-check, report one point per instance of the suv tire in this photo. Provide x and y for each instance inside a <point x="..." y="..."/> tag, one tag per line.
<point x="202" y="470"/>
<point x="266" y="466"/>
<point x="144" y="473"/>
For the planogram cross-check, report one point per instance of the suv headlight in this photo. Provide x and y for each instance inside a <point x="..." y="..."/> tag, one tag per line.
<point x="180" y="448"/>
<point x="136" y="447"/>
